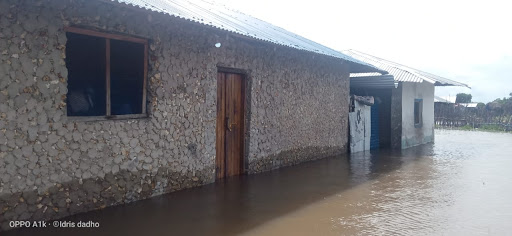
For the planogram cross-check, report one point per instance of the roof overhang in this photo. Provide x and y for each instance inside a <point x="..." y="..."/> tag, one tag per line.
<point x="363" y="67"/>
<point x="451" y="84"/>
<point x="373" y="82"/>
<point x="401" y="72"/>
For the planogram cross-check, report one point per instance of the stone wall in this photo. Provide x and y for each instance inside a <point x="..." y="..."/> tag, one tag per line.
<point x="52" y="166"/>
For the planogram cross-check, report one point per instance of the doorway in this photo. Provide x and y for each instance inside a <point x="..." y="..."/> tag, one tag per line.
<point x="230" y="132"/>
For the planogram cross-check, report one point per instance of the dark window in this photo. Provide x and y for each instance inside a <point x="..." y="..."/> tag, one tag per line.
<point x="106" y="74"/>
<point x="418" y="112"/>
<point x="85" y="59"/>
<point x="126" y="77"/>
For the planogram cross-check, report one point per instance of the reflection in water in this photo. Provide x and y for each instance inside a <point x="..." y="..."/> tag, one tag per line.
<point x="461" y="185"/>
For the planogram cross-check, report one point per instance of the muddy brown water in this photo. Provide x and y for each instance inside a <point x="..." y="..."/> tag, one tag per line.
<point x="461" y="185"/>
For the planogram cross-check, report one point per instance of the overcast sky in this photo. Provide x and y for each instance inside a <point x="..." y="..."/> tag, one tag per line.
<point x="467" y="41"/>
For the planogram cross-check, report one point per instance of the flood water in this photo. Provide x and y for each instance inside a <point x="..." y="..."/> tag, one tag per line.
<point x="461" y="185"/>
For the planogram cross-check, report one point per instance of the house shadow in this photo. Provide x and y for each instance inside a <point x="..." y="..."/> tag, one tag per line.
<point x="237" y="205"/>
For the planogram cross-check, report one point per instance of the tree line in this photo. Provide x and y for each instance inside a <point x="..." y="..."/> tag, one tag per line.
<point x="497" y="112"/>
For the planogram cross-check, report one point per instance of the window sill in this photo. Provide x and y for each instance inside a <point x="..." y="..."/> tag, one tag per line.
<point x="418" y="125"/>
<point x="105" y="118"/>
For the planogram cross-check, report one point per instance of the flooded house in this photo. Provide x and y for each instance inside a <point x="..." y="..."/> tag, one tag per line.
<point x="403" y="113"/>
<point x="109" y="102"/>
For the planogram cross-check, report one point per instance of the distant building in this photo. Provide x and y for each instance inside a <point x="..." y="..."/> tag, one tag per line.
<point x="468" y="105"/>
<point x="444" y="99"/>
<point x="448" y="113"/>
<point x="404" y="101"/>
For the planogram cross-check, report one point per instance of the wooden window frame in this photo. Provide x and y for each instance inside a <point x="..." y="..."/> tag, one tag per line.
<point x="108" y="37"/>
<point x="420" y="113"/>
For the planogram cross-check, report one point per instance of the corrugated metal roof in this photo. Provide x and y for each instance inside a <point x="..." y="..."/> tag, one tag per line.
<point x="469" y="105"/>
<point x="400" y="72"/>
<point x="442" y="100"/>
<point x="221" y="17"/>
<point x="378" y="81"/>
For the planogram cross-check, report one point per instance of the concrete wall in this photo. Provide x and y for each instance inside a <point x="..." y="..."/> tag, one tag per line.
<point x="396" y="117"/>
<point x="411" y="135"/>
<point x="360" y="121"/>
<point x="52" y="166"/>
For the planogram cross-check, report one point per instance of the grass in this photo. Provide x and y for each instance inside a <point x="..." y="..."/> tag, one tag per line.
<point x="487" y="128"/>
<point x="492" y="128"/>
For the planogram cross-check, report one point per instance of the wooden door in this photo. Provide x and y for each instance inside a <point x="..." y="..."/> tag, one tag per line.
<point x="230" y="125"/>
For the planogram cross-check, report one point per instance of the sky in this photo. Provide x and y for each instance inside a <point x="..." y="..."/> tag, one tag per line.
<point x="466" y="41"/>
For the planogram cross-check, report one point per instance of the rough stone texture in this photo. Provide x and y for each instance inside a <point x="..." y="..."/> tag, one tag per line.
<point x="292" y="157"/>
<point x="52" y="166"/>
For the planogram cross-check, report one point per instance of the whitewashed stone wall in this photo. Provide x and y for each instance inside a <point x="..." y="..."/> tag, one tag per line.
<point x="52" y="166"/>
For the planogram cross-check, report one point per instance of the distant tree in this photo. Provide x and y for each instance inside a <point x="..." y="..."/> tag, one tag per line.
<point x="463" y="98"/>
<point x="498" y="111"/>
<point x="495" y="105"/>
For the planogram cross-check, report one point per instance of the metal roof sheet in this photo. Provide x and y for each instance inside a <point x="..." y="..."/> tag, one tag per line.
<point x="218" y="16"/>
<point x="400" y="72"/>
<point x="379" y="82"/>
<point x="442" y="100"/>
<point x="469" y="105"/>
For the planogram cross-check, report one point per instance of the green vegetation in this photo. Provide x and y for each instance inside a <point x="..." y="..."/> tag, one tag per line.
<point x="495" y="116"/>
<point x="498" y="111"/>
<point x="486" y="128"/>
<point x="463" y="98"/>
<point x="492" y="128"/>
<point x="466" y="127"/>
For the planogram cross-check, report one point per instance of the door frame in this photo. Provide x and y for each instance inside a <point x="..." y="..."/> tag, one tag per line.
<point x="220" y="141"/>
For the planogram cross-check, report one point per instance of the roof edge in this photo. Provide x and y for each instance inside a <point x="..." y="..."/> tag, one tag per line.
<point x="419" y="74"/>
<point x="277" y="35"/>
